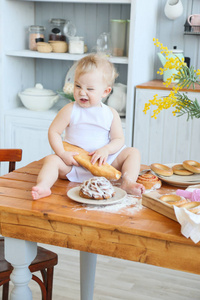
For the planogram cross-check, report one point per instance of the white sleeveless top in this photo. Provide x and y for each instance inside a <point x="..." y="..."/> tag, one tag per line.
<point x="89" y="128"/>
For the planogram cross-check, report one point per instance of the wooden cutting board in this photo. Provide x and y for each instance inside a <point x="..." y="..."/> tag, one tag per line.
<point x="151" y="200"/>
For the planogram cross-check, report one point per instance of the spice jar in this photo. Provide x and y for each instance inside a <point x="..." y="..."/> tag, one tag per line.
<point x="56" y="30"/>
<point x="36" y="34"/>
<point x="76" y="45"/>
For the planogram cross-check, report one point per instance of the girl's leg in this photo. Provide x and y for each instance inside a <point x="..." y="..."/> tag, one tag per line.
<point x="128" y="162"/>
<point x="52" y="168"/>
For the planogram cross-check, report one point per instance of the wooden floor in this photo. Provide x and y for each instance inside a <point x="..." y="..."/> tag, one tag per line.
<point x="118" y="279"/>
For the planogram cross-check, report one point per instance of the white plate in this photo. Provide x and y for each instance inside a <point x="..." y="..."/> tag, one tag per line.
<point x="177" y="180"/>
<point x="74" y="195"/>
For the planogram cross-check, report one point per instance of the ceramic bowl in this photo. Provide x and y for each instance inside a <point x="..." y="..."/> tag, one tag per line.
<point x="58" y="46"/>
<point x="38" y="98"/>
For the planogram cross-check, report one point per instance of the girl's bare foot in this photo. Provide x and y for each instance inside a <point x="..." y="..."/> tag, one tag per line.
<point x="40" y="192"/>
<point x="133" y="188"/>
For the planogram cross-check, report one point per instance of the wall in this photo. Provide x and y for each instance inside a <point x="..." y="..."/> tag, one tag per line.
<point x="171" y="33"/>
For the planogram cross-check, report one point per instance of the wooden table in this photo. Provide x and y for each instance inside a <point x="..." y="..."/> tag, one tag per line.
<point x="144" y="236"/>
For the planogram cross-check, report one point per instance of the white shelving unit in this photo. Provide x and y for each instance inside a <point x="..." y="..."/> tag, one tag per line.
<point x="21" y="68"/>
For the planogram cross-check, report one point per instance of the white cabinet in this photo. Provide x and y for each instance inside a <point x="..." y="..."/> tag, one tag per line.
<point x="21" y="68"/>
<point x="29" y="133"/>
<point x="166" y="139"/>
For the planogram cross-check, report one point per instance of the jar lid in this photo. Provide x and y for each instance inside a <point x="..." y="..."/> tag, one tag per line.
<point x="118" y="20"/>
<point x="57" y="22"/>
<point x="36" y="28"/>
<point x="76" y="38"/>
<point x="38" y="90"/>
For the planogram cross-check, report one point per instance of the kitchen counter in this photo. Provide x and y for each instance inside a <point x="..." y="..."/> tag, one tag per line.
<point x="157" y="84"/>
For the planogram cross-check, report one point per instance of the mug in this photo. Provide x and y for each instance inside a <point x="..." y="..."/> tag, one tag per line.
<point x="194" y="21"/>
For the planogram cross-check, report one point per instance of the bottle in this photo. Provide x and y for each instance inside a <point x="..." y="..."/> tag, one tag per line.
<point x="56" y="30"/>
<point x="36" y="34"/>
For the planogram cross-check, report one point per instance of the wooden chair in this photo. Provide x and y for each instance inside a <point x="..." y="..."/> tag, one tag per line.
<point x="45" y="259"/>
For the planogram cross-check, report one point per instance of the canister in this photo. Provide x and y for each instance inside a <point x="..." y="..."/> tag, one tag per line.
<point x="36" y="34"/>
<point x="56" y="30"/>
<point x="118" y="36"/>
<point x="127" y="36"/>
<point x="76" y="45"/>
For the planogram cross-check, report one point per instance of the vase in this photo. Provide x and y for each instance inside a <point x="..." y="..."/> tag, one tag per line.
<point x="173" y="9"/>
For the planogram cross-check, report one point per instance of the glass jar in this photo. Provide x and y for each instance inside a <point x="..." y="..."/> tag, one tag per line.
<point x="56" y="30"/>
<point x="36" y="34"/>
<point x="76" y="45"/>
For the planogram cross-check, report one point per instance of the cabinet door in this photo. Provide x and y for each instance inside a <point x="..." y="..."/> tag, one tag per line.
<point x="29" y="134"/>
<point x="166" y="139"/>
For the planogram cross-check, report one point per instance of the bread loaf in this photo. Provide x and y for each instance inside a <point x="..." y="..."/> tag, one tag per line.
<point x="84" y="159"/>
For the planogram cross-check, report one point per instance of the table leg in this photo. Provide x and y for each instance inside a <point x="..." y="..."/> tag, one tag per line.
<point x="20" y="254"/>
<point x="87" y="274"/>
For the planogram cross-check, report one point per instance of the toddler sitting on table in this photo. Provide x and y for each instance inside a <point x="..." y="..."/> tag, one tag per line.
<point x="93" y="126"/>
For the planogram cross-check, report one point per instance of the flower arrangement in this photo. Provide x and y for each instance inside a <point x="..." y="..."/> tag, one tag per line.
<point x="184" y="78"/>
<point x="68" y="91"/>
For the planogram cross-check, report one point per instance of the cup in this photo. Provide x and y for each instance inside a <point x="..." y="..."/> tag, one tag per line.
<point x="118" y="36"/>
<point x="194" y="21"/>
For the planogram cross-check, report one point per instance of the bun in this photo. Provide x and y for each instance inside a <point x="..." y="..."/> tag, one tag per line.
<point x="97" y="188"/>
<point x="84" y="159"/>
<point x="149" y="181"/>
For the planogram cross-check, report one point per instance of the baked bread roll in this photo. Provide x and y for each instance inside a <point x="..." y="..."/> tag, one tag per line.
<point x="97" y="188"/>
<point x="149" y="181"/>
<point x="84" y="159"/>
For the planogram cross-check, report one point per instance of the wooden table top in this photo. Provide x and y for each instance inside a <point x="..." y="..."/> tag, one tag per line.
<point x="157" y="84"/>
<point x="144" y="236"/>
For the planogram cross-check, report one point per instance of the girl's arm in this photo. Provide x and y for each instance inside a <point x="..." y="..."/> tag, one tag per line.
<point x="56" y="128"/>
<point x="116" y="141"/>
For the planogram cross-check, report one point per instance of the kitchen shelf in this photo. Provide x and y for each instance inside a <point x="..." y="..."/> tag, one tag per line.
<point x="60" y="56"/>
<point x="191" y="33"/>
<point x="86" y="1"/>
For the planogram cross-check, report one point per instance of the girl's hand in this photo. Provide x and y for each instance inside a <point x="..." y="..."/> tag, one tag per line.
<point x="68" y="158"/>
<point x="101" y="155"/>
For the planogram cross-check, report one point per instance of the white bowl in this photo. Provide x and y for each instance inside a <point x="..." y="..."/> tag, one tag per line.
<point x="38" y="99"/>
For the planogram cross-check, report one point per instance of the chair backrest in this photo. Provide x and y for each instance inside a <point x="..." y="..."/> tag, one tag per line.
<point x="11" y="156"/>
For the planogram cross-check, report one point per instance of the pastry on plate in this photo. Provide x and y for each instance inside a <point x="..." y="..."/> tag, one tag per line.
<point x="97" y="188"/>
<point x="149" y="181"/>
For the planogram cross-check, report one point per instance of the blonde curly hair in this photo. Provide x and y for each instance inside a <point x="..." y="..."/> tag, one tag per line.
<point x="95" y="61"/>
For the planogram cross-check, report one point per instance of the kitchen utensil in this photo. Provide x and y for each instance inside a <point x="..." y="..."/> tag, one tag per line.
<point x="119" y="196"/>
<point x="194" y="21"/>
<point x="76" y="45"/>
<point x="69" y="29"/>
<point x="174" y="53"/>
<point x="56" y="30"/>
<point x="36" y="34"/>
<point x="117" y="99"/>
<point x="38" y="98"/>
<point x="104" y="43"/>
<point x="173" y="9"/>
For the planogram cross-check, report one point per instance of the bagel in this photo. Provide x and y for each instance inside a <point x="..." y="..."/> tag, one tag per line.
<point x="172" y="199"/>
<point x="180" y="170"/>
<point x="192" y="207"/>
<point x="192" y="166"/>
<point x="161" y="169"/>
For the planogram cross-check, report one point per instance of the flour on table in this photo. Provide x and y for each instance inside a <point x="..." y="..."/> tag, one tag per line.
<point x="130" y="204"/>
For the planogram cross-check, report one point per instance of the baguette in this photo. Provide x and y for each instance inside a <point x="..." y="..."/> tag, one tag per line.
<point x="84" y="159"/>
